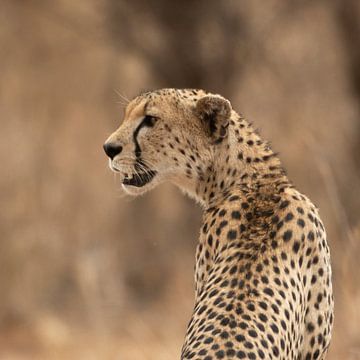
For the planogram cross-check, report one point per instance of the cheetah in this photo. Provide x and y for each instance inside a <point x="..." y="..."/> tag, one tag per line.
<point x="262" y="275"/>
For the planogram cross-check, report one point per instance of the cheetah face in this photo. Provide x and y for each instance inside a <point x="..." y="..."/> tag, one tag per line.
<point x="133" y="150"/>
<point x="163" y="137"/>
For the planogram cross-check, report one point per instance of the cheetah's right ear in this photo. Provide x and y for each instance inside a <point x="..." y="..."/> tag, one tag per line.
<point x="215" y="112"/>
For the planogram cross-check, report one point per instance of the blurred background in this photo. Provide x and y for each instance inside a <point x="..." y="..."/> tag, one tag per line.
<point x="89" y="274"/>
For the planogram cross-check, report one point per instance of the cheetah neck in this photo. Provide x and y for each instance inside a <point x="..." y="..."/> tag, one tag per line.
<point x="244" y="171"/>
<point x="243" y="162"/>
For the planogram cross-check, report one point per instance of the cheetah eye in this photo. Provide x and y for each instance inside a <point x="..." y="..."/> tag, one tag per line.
<point x="149" y="121"/>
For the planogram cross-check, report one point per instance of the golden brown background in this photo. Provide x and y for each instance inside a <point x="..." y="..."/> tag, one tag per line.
<point x="89" y="274"/>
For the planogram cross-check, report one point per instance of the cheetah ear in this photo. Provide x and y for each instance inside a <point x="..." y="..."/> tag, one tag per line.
<point x="214" y="111"/>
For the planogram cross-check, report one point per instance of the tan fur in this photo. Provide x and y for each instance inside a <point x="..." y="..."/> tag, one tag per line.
<point x="263" y="275"/>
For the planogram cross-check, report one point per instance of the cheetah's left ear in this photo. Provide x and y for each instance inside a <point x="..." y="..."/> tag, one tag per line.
<point x="215" y="112"/>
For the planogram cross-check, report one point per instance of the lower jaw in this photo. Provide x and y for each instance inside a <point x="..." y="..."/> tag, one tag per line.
<point x="135" y="190"/>
<point x="141" y="180"/>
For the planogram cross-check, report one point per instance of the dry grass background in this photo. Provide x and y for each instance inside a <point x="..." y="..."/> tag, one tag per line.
<point x="88" y="274"/>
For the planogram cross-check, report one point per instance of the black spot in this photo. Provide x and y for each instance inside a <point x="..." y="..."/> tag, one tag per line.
<point x="275" y="350"/>
<point x="275" y="308"/>
<point x="263" y="317"/>
<point x="300" y="210"/>
<point x="232" y="323"/>
<point x="236" y="215"/>
<point x="224" y="335"/>
<point x="310" y="327"/>
<point x="274" y="244"/>
<point x="301" y="223"/>
<point x="268" y="291"/>
<point x="240" y="338"/>
<point x="289" y="217"/>
<point x="202" y="309"/>
<point x="284" y="204"/>
<point x="220" y="354"/>
<point x="248" y="216"/>
<point x="231" y="235"/>
<point x="252" y="333"/>
<point x="274" y="328"/>
<point x="282" y="344"/>
<point x="223" y="224"/>
<point x="275" y="219"/>
<point x="287" y="235"/>
<point x="311" y="236"/>
<point x="233" y="198"/>
<point x="240" y="355"/>
<point x="259" y="267"/>
<point x="222" y="212"/>
<point x="230" y="353"/>
<point x="213" y="293"/>
<point x="245" y="205"/>
<point x="296" y="247"/>
<point x="243" y="325"/>
<point x="233" y="270"/>
<point x="263" y="305"/>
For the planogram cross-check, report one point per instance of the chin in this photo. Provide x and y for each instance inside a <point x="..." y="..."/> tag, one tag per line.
<point x="133" y="190"/>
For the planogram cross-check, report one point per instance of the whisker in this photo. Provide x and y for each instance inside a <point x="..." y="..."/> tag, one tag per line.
<point x="123" y="97"/>
<point x="147" y="164"/>
<point x="146" y="171"/>
<point x="122" y="103"/>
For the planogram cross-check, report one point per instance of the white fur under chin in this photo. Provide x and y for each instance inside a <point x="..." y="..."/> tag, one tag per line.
<point x="133" y="190"/>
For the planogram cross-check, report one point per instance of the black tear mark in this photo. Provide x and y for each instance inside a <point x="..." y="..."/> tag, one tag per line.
<point x="137" y="146"/>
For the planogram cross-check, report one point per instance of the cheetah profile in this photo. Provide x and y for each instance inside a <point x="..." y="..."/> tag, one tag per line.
<point x="262" y="274"/>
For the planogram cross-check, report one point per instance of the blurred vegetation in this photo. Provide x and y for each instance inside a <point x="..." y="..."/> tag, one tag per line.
<point x="89" y="274"/>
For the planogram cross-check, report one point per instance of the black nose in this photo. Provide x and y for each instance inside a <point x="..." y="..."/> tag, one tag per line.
<point x="112" y="149"/>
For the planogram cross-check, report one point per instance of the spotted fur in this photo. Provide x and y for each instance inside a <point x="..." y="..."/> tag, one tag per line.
<point x="262" y="274"/>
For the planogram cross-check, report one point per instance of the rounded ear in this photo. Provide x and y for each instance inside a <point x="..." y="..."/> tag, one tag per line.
<point x="215" y="112"/>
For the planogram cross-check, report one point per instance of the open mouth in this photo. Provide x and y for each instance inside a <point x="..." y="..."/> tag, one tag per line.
<point x="140" y="179"/>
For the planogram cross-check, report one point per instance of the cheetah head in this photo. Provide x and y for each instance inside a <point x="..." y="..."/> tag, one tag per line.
<point x="167" y="134"/>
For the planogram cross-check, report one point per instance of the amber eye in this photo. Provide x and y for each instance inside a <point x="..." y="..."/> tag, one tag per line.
<point x="149" y="121"/>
